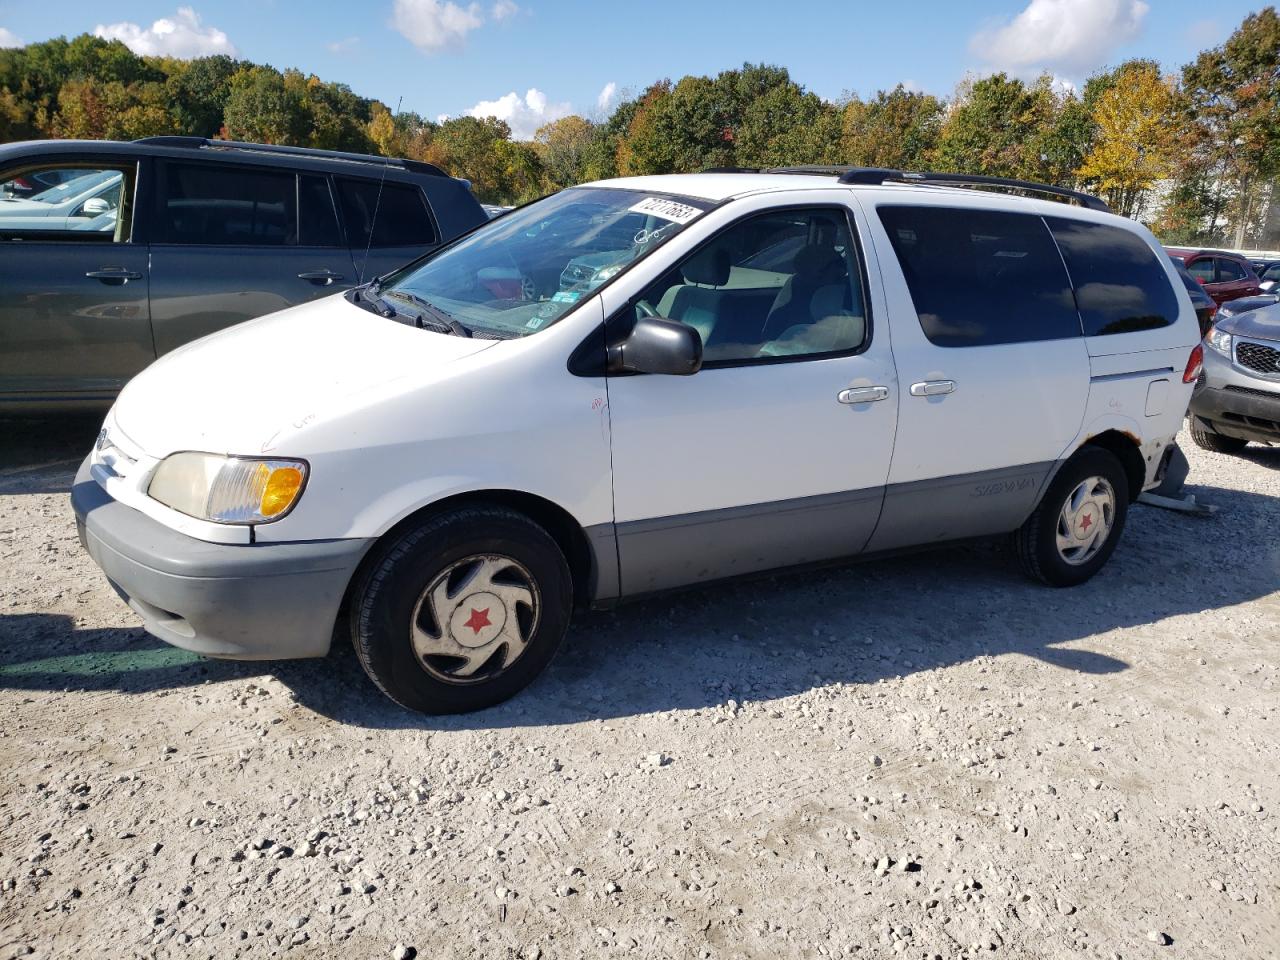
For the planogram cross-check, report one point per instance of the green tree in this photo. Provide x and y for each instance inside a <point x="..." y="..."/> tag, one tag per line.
<point x="198" y="91"/>
<point x="563" y="146"/>
<point x="262" y="109"/>
<point x="1233" y="92"/>
<point x="897" y="130"/>
<point x="996" y="127"/>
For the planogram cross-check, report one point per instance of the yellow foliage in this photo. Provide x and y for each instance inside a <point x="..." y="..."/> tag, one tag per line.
<point x="1137" y="138"/>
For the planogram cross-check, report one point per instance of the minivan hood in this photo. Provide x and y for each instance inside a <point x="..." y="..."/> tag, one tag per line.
<point x="250" y="388"/>
<point x="1262" y="323"/>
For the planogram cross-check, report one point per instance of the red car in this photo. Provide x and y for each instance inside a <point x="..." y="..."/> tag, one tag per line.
<point x="1224" y="276"/>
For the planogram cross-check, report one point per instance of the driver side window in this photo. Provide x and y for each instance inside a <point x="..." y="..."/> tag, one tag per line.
<point x="787" y="283"/>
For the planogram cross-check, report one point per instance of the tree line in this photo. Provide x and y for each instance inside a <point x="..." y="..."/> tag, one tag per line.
<point x="1195" y="154"/>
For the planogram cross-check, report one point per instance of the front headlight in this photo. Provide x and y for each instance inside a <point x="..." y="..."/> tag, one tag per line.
<point x="1220" y="340"/>
<point x="228" y="489"/>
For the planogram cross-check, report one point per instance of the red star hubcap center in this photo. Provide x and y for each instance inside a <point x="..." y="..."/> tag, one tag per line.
<point x="1085" y="524"/>
<point x="478" y="619"/>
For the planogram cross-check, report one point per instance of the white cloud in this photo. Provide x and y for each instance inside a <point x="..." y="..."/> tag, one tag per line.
<point x="9" y="39"/>
<point x="524" y="115"/>
<point x="503" y="10"/>
<point x="179" y="36"/>
<point x="343" y="46"/>
<point x="1070" y="36"/>
<point x="605" y="100"/>
<point x="433" y="26"/>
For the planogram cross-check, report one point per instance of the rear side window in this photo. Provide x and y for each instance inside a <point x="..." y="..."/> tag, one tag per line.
<point x="224" y="204"/>
<point x="399" y="219"/>
<point x="1229" y="270"/>
<point x="1202" y="269"/>
<point x="1121" y="286"/>
<point x="317" y="218"/>
<point x="981" y="277"/>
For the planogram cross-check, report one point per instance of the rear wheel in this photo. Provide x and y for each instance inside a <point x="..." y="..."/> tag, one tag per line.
<point x="1074" y="529"/>
<point x="1216" y="442"/>
<point x="463" y="611"/>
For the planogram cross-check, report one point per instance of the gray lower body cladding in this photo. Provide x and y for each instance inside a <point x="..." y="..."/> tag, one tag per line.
<point x="676" y="551"/>
<point x="247" y="602"/>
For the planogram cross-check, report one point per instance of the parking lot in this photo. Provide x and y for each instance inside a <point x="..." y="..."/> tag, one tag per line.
<point x="926" y="756"/>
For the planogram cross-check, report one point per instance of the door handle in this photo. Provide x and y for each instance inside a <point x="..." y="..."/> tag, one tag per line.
<point x="933" y="388"/>
<point x="862" y="394"/>
<point x="114" y="275"/>
<point x="321" y="278"/>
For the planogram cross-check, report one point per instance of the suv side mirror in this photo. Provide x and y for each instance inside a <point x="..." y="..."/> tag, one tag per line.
<point x="95" y="207"/>
<point x="658" y="345"/>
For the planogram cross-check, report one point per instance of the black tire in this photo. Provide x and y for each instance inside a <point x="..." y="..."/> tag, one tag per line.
<point x="391" y="590"/>
<point x="1216" y="442"/>
<point x="1035" y="542"/>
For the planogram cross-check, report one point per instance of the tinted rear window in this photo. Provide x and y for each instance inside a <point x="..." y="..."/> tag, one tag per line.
<point x="1121" y="286"/>
<point x="1229" y="270"/>
<point x="227" y="205"/>
<point x="981" y="277"/>
<point x="401" y="214"/>
<point x="317" y="218"/>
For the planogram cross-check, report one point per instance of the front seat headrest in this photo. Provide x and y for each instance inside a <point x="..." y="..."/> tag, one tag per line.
<point x="709" y="267"/>
<point x="817" y="262"/>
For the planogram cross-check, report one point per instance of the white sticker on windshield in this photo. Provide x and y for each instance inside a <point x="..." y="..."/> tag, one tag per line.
<point x="666" y="209"/>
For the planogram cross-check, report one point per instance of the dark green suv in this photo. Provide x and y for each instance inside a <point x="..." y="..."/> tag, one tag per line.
<point x="172" y="238"/>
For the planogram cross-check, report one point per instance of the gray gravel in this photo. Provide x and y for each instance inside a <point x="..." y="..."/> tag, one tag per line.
<point x="924" y="757"/>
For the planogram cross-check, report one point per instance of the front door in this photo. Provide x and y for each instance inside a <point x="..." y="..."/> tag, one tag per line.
<point x="74" y="320"/>
<point x="776" y="452"/>
<point x="993" y="366"/>
<point x="233" y="242"/>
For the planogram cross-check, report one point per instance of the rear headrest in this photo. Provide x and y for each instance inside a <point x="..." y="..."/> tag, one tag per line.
<point x="709" y="267"/>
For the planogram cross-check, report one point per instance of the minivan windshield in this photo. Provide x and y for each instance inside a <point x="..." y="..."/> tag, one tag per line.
<point x="522" y="272"/>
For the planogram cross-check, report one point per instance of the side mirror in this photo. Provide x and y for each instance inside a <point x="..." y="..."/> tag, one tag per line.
<point x="658" y="345"/>
<point x="1267" y="286"/>
<point x="95" y="207"/>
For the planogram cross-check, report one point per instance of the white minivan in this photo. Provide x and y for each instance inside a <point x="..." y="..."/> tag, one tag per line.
<point x="636" y="385"/>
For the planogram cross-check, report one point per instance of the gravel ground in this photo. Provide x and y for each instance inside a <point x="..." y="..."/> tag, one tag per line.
<point x="923" y="757"/>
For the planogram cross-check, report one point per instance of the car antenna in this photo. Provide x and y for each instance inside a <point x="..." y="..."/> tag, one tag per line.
<point x="377" y="203"/>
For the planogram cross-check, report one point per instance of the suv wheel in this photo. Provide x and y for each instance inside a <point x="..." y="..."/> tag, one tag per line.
<point x="1074" y="529"/>
<point x="462" y="611"/>
<point x="1216" y="442"/>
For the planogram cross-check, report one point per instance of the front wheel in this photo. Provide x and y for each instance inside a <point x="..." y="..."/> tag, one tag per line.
<point x="462" y="611"/>
<point x="1216" y="442"/>
<point x="1074" y="529"/>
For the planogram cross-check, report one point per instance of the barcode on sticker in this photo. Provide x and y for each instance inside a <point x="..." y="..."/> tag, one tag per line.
<point x="666" y="209"/>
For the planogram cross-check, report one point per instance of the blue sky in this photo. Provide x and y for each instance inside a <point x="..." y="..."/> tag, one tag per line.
<point x="450" y="58"/>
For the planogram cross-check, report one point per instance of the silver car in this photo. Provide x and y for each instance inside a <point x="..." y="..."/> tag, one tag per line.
<point x="86" y="202"/>
<point x="1237" y="398"/>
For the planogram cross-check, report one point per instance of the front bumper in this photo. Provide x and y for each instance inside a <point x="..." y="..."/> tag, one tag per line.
<point x="241" y="601"/>
<point x="1229" y="401"/>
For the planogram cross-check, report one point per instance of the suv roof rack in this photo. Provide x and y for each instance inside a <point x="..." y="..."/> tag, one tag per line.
<point x="204" y="143"/>
<point x="876" y="176"/>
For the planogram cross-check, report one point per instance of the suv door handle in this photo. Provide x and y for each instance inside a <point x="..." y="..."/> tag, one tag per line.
<point x="862" y="394"/>
<point x="115" y="275"/>
<point x="933" y="388"/>
<point x="321" y="278"/>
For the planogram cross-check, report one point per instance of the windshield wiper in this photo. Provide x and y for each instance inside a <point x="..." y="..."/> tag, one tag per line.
<point x="432" y="317"/>
<point x="368" y="294"/>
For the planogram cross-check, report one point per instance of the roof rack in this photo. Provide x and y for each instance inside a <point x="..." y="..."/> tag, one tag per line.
<point x="204" y="143"/>
<point x="875" y="176"/>
<point x="863" y="175"/>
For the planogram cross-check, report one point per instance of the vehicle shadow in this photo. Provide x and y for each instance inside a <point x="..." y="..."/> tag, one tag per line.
<point x="39" y="455"/>
<point x="756" y="640"/>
